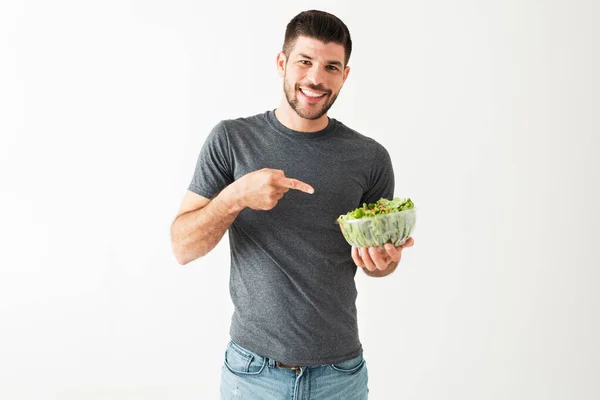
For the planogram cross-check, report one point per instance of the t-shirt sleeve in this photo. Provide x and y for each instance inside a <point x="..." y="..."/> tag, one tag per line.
<point x="214" y="169"/>
<point x="381" y="179"/>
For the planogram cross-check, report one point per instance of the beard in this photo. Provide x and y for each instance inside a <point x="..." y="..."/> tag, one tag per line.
<point x="308" y="112"/>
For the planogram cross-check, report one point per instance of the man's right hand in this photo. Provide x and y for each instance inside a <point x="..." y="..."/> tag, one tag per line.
<point x="262" y="189"/>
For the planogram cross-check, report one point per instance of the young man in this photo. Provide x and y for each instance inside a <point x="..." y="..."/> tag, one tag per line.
<point x="294" y="329"/>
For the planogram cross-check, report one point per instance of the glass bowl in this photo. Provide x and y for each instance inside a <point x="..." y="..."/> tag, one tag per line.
<point x="376" y="231"/>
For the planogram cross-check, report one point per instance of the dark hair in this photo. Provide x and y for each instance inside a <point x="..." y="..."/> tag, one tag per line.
<point x="318" y="25"/>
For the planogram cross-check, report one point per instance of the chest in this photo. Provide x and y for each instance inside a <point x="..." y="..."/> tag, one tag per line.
<point x="339" y="177"/>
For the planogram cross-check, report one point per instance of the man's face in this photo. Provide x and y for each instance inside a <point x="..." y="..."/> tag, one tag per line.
<point x="313" y="76"/>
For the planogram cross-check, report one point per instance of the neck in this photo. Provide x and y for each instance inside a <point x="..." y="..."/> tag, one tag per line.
<point x="291" y="120"/>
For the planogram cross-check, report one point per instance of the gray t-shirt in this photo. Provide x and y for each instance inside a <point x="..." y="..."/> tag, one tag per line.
<point x="292" y="275"/>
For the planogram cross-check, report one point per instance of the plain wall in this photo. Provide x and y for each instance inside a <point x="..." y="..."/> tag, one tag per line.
<point x="489" y="110"/>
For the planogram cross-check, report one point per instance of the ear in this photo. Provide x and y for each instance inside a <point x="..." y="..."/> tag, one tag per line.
<point x="346" y="72"/>
<point x="281" y="63"/>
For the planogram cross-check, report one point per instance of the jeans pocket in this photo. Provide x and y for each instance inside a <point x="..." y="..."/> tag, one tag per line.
<point x="243" y="362"/>
<point x="350" y="366"/>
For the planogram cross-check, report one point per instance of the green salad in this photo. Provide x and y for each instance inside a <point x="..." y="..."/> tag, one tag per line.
<point x="361" y="229"/>
<point x="383" y="206"/>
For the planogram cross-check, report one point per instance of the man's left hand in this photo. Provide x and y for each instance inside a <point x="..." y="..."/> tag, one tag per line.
<point x="379" y="261"/>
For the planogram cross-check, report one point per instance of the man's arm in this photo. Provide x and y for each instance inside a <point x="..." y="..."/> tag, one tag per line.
<point x="201" y="223"/>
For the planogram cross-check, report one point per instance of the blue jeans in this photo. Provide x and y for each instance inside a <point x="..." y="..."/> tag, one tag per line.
<point x="249" y="376"/>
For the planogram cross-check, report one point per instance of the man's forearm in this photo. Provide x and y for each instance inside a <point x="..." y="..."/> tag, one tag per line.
<point x="197" y="232"/>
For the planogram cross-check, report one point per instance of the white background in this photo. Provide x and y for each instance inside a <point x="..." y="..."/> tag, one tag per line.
<point x="489" y="110"/>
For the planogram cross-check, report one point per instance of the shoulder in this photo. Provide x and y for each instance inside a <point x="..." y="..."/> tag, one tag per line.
<point x="359" y="139"/>
<point x="228" y="130"/>
<point x="243" y="123"/>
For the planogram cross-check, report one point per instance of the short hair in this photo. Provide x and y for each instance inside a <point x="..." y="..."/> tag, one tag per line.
<point x="319" y="25"/>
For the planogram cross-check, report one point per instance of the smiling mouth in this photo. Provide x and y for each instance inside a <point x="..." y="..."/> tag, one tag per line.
<point x="312" y="95"/>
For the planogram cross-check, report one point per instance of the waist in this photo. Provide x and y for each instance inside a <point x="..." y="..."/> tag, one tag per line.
<point x="293" y="352"/>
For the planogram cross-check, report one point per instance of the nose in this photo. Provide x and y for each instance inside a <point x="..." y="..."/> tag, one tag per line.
<point x="314" y="75"/>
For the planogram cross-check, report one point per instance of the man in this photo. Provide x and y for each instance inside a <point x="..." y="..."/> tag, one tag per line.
<point x="278" y="181"/>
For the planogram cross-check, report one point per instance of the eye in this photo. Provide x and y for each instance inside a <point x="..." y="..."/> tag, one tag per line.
<point x="332" y="68"/>
<point x="305" y="62"/>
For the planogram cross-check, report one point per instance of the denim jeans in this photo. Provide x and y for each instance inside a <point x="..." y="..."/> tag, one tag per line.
<point x="249" y="376"/>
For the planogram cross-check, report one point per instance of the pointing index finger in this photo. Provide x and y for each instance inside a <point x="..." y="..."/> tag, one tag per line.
<point x="296" y="184"/>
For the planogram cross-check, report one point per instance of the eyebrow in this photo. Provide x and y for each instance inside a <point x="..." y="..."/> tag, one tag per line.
<point x="339" y="64"/>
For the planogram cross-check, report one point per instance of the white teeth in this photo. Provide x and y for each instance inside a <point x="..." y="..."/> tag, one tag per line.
<point x="310" y="93"/>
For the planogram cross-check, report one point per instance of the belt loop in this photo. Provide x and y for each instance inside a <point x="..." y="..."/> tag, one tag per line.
<point x="271" y="363"/>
